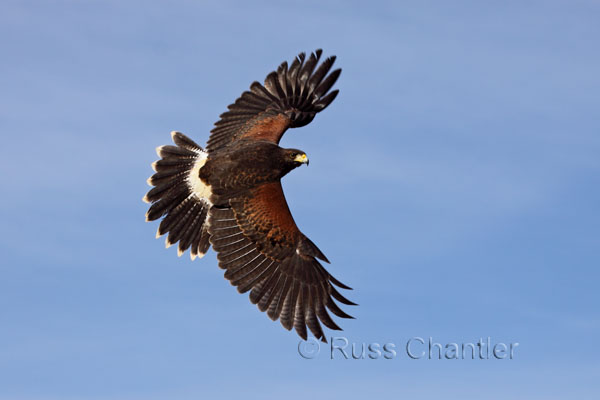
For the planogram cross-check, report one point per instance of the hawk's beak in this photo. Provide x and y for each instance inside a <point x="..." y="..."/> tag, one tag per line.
<point x="301" y="158"/>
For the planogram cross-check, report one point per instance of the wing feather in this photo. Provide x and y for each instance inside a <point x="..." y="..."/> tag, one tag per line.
<point x="289" y="98"/>
<point x="262" y="251"/>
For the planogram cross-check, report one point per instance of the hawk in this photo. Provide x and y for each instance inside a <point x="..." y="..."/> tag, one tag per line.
<point x="229" y="195"/>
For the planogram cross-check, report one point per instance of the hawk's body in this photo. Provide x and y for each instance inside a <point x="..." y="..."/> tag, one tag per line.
<point x="230" y="197"/>
<point x="244" y="165"/>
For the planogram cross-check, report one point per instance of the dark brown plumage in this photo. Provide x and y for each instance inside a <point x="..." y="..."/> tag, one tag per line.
<point x="230" y="197"/>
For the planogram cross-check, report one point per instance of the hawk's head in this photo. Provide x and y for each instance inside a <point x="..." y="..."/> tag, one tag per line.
<point x="294" y="158"/>
<point x="288" y="159"/>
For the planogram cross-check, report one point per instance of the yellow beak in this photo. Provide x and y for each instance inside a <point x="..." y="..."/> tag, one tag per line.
<point x="301" y="158"/>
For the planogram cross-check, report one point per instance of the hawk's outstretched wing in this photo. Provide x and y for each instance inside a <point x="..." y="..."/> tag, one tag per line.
<point x="290" y="98"/>
<point x="262" y="250"/>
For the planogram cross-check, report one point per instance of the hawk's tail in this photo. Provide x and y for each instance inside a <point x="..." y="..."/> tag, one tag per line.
<point x="180" y="196"/>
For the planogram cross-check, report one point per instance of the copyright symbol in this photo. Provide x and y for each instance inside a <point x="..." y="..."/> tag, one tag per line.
<point x="309" y="349"/>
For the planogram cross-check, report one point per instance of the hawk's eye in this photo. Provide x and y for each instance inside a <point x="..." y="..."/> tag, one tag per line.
<point x="293" y="156"/>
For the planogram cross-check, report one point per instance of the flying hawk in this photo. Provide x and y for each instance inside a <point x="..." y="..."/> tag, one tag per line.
<point x="229" y="196"/>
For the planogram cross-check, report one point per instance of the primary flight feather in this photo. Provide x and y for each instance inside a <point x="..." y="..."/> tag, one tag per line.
<point x="229" y="196"/>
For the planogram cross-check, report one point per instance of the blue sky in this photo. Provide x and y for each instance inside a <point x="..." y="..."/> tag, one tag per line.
<point x="454" y="183"/>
